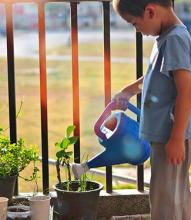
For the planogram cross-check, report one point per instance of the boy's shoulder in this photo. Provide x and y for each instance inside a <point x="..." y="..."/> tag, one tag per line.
<point x="178" y="33"/>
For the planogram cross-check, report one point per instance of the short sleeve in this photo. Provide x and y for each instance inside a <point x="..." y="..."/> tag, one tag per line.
<point x="176" y="55"/>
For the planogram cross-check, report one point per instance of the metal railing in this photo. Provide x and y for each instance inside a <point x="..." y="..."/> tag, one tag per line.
<point x="75" y="76"/>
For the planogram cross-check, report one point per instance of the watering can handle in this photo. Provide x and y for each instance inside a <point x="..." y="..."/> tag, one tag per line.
<point x="134" y="109"/>
<point x="110" y="107"/>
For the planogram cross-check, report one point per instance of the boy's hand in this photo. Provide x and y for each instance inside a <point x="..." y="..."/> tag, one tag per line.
<point x="175" y="150"/>
<point x="121" y="100"/>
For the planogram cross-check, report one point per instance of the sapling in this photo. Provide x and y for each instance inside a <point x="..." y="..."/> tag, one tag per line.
<point x="64" y="154"/>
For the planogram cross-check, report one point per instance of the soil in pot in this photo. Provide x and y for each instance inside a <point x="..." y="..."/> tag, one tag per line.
<point x="19" y="200"/>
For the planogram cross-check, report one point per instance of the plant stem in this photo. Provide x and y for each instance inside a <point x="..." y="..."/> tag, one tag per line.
<point x="69" y="174"/>
<point x="58" y="170"/>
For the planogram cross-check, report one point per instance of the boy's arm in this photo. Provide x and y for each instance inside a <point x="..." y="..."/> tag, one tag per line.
<point x="176" y="144"/>
<point x="122" y="97"/>
<point x="134" y="88"/>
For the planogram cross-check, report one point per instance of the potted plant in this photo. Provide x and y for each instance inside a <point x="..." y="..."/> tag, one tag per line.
<point x="14" y="158"/>
<point x="77" y="199"/>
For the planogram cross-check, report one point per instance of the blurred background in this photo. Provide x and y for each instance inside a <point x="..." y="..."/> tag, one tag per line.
<point x="59" y="74"/>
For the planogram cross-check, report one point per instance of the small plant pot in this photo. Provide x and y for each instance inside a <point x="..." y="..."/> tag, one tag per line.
<point x="7" y="186"/>
<point x="20" y="212"/>
<point x="40" y="207"/>
<point x="3" y="208"/>
<point x="78" y="205"/>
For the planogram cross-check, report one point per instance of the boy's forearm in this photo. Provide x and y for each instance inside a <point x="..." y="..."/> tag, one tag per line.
<point x="134" y="88"/>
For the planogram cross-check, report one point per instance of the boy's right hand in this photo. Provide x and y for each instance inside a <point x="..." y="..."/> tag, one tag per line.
<point x="121" y="100"/>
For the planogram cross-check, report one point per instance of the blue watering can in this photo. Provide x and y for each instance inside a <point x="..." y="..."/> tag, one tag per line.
<point x="119" y="135"/>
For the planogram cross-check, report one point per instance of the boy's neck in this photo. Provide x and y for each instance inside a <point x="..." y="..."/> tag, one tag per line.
<point x="169" y="20"/>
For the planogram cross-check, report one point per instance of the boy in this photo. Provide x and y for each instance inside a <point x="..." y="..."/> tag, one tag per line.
<point x="166" y="104"/>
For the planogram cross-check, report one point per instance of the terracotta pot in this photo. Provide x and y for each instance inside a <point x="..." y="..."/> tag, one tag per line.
<point x="3" y="208"/>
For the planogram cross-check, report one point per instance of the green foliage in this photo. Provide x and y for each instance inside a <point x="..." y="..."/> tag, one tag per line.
<point x="84" y="178"/>
<point x="15" y="157"/>
<point x="63" y="154"/>
<point x="63" y="159"/>
<point x="82" y="183"/>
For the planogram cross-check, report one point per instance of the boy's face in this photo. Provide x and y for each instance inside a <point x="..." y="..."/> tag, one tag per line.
<point x="149" y="24"/>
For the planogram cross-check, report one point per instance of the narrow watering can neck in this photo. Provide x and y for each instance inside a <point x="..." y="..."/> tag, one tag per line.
<point x="106" y="113"/>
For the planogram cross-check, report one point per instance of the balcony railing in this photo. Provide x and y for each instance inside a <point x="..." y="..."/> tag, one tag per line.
<point x="75" y="78"/>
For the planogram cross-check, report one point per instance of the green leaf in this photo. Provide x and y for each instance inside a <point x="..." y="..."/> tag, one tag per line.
<point x="68" y="155"/>
<point x="69" y="130"/>
<point x="61" y="154"/>
<point x="64" y="143"/>
<point x="73" y="139"/>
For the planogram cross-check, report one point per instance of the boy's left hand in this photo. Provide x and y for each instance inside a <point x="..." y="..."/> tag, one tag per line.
<point x="175" y="150"/>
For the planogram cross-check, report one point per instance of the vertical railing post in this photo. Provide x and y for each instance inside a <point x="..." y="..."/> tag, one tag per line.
<point x="107" y="76"/>
<point x="11" y="76"/>
<point x="43" y="96"/>
<point x="75" y="78"/>
<point x="139" y="73"/>
<point x="11" y="73"/>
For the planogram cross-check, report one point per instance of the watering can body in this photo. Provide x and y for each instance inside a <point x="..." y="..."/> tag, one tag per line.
<point x="122" y="145"/>
<point x="119" y="135"/>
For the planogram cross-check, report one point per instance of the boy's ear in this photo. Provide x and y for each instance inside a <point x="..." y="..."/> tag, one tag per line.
<point x="150" y="11"/>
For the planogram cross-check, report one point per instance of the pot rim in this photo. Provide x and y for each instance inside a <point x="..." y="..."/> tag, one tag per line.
<point x="76" y="192"/>
<point x="39" y="198"/>
<point x="3" y="199"/>
<point x="9" y="176"/>
<point x="24" y="207"/>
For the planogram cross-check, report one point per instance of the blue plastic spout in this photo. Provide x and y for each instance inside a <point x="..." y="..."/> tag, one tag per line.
<point x="119" y="135"/>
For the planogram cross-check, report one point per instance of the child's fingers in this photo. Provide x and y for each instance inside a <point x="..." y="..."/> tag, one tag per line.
<point x="176" y="161"/>
<point x="121" y="103"/>
<point x="179" y="160"/>
<point x="169" y="160"/>
<point x="173" y="161"/>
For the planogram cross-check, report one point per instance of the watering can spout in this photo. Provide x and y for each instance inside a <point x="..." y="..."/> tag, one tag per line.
<point x="79" y="169"/>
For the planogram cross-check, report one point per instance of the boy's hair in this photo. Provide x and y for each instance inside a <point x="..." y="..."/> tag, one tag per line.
<point x="137" y="7"/>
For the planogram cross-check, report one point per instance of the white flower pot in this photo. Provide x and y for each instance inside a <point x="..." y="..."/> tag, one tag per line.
<point x="40" y="207"/>
<point x="18" y="212"/>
